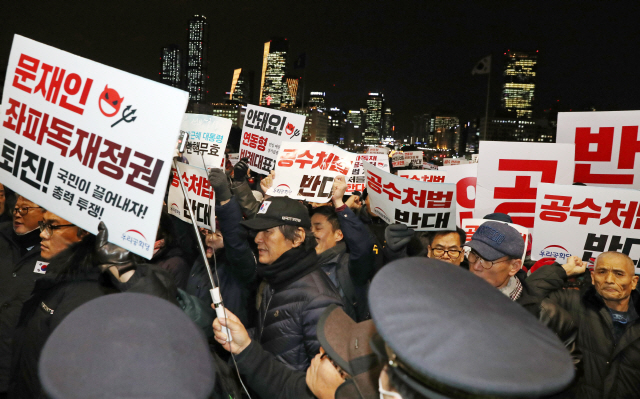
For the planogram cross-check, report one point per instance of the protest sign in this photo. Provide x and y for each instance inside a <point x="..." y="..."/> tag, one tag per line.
<point x="510" y="172"/>
<point x="263" y="131"/>
<point x="397" y="160"/>
<point x="413" y="158"/>
<point x="378" y="150"/>
<point x="474" y="158"/>
<point x="201" y="196"/>
<point x="454" y="161"/>
<point x="208" y="137"/>
<point x="464" y="177"/>
<point x="586" y="221"/>
<point x="421" y="206"/>
<point x="471" y="225"/>
<point x="306" y="171"/>
<point x="234" y="158"/>
<point x="356" y="179"/>
<point x="430" y="166"/>
<point x="606" y="145"/>
<point x="88" y="142"/>
<point x="430" y="176"/>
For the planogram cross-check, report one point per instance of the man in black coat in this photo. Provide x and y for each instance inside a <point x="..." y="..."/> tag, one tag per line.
<point x="19" y="269"/>
<point x="296" y="291"/>
<point x="607" y="314"/>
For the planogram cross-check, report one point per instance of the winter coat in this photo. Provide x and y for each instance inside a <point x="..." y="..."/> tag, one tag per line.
<point x="611" y="370"/>
<point x="172" y="260"/>
<point x="291" y="301"/>
<point x="17" y="278"/>
<point x="52" y="300"/>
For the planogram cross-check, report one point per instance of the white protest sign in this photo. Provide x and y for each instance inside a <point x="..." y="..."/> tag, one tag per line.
<point x="306" y="171"/>
<point x="356" y="179"/>
<point x="413" y="158"/>
<point x="421" y="206"/>
<point x="510" y="172"/>
<point x="607" y="145"/>
<point x="263" y="131"/>
<point x="586" y="221"/>
<point x="378" y="150"/>
<point x="464" y="177"/>
<point x="430" y="166"/>
<point x="234" y="158"/>
<point x="89" y="142"/>
<point x="208" y="137"/>
<point x="201" y="196"/>
<point x="397" y="160"/>
<point x="454" y="161"/>
<point x="471" y="225"/>
<point x="474" y="158"/>
<point x="429" y="176"/>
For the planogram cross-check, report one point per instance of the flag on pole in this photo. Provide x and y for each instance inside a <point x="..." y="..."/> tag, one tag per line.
<point x="483" y="66"/>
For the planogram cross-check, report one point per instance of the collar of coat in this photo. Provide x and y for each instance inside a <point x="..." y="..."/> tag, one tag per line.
<point x="591" y="298"/>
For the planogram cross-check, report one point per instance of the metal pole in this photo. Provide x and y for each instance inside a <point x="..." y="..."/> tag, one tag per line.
<point x="203" y="252"/>
<point x="486" y="109"/>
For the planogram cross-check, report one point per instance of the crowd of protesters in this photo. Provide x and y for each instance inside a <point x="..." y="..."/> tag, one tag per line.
<point x="321" y="301"/>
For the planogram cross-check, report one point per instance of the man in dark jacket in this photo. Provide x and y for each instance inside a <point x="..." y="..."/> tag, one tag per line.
<point x="19" y="269"/>
<point x="295" y="291"/>
<point x="608" y="323"/>
<point x="345" y="251"/>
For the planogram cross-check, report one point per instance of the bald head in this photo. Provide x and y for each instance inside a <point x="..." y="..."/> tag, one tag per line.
<point x="614" y="279"/>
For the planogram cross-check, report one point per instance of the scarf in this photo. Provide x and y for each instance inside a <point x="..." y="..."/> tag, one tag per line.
<point x="289" y="267"/>
<point x="28" y="240"/>
<point x="513" y="289"/>
<point x="331" y="253"/>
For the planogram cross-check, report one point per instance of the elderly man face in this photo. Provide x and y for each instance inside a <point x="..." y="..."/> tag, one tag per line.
<point x="272" y="243"/>
<point x="614" y="279"/>
<point x="26" y="216"/>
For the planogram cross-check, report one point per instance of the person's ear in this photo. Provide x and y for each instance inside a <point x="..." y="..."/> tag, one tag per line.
<point x="338" y="235"/>
<point x="634" y="282"/>
<point x="299" y="237"/>
<point x="515" y="266"/>
<point x="81" y="233"/>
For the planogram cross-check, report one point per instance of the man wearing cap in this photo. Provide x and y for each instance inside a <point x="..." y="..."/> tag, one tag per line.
<point x="496" y="257"/>
<point x="608" y="322"/>
<point x="345" y="367"/>
<point x="295" y="290"/>
<point x="446" y="334"/>
<point x="19" y="269"/>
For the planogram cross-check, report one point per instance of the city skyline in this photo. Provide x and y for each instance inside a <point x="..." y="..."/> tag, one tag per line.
<point x="419" y="55"/>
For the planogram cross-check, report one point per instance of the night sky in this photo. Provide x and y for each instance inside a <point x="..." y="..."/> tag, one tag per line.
<point x="419" y="54"/>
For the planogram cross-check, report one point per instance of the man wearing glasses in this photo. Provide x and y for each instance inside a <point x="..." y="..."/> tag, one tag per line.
<point x="57" y="234"/>
<point x="447" y="246"/>
<point x="19" y="269"/>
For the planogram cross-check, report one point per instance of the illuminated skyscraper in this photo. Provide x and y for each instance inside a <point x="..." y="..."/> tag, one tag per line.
<point x="171" y="66"/>
<point x="355" y="117"/>
<point x="274" y="89"/>
<point x="241" y="86"/>
<point x="197" y="61"/>
<point x="290" y="97"/>
<point x="387" y="123"/>
<point x="519" y="82"/>
<point x="317" y="99"/>
<point x="373" y="125"/>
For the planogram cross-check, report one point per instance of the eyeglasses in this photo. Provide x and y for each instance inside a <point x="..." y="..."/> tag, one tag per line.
<point x="49" y="228"/>
<point x="474" y="257"/>
<point x="453" y="253"/>
<point x="24" y="210"/>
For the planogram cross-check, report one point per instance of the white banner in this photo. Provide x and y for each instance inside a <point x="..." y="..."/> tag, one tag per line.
<point x="356" y="180"/>
<point x="305" y="171"/>
<point x="454" y="161"/>
<point x="464" y="177"/>
<point x="586" y="221"/>
<point x="429" y="176"/>
<point x="430" y="166"/>
<point x="397" y="160"/>
<point x="201" y="196"/>
<point x="234" y="158"/>
<point x="421" y="206"/>
<point x="208" y="137"/>
<point x="607" y="145"/>
<point x="510" y="172"/>
<point x="378" y="150"/>
<point x="471" y="225"/>
<point x="263" y="131"/>
<point x="88" y="142"/>
<point x="414" y="158"/>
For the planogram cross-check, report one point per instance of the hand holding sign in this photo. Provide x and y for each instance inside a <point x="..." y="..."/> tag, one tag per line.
<point x="339" y="188"/>
<point x="267" y="182"/>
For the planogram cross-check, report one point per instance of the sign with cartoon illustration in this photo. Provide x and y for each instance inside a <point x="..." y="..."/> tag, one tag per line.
<point x="89" y="142"/>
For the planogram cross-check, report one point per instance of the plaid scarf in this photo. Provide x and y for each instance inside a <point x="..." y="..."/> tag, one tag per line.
<point x="513" y="289"/>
